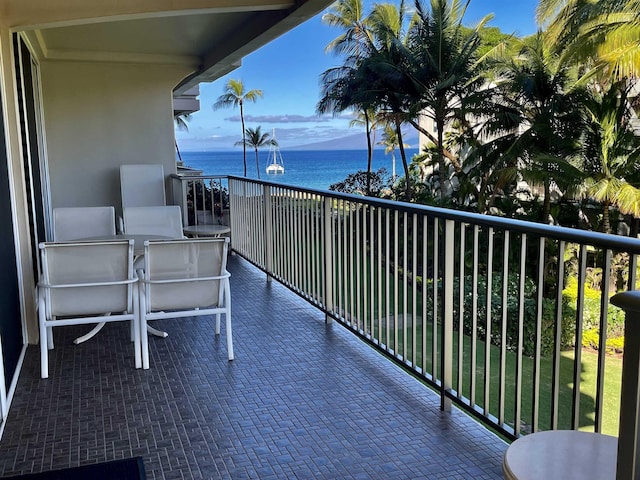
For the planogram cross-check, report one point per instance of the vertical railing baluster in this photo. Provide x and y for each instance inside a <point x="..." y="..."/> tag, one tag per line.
<point x="329" y="265"/>
<point x="395" y="282"/>
<point x="435" y="255"/>
<point x="405" y="283"/>
<point x="577" y="362"/>
<point x="473" y="361"/>
<point x="520" y="350"/>
<point x="447" y="315"/>
<point x="602" y="344"/>
<point x="268" y="232"/>
<point x="535" y="397"/>
<point x="555" y="380"/>
<point x="488" y="324"/>
<point x="461" y="287"/>
<point x="414" y="289"/>
<point x="387" y="270"/>
<point x="503" y="326"/>
<point x="425" y="323"/>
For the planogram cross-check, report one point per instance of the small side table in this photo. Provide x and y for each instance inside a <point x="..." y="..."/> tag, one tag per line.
<point x="206" y="230"/>
<point x="561" y="454"/>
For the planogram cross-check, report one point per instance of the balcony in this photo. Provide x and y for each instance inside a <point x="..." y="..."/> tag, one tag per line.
<point x="302" y="399"/>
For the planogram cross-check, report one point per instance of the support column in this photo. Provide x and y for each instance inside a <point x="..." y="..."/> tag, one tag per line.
<point x="628" y="465"/>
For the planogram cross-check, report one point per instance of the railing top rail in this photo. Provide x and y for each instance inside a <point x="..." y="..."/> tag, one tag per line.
<point x="603" y="240"/>
<point x="197" y="177"/>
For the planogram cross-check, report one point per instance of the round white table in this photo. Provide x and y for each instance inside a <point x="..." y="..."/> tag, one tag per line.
<point x="561" y="454"/>
<point x="138" y="251"/>
<point x="205" y="230"/>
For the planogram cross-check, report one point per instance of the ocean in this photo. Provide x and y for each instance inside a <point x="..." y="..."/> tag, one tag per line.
<point x="303" y="168"/>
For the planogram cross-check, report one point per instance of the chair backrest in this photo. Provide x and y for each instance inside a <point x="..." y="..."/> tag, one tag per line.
<point x="190" y="272"/>
<point x="80" y="266"/>
<point x="142" y="185"/>
<point x="165" y="221"/>
<point x="75" y="223"/>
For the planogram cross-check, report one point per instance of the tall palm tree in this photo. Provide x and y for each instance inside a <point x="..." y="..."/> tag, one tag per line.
<point x="611" y="153"/>
<point x="543" y="94"/>
<point x="443" y="66"/>
<point x="367" y="118"/>
<point x="235" y="95"/>
<point x="256" y="139"/>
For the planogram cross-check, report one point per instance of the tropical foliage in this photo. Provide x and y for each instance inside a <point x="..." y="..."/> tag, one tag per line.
<point x="513" y="125"/>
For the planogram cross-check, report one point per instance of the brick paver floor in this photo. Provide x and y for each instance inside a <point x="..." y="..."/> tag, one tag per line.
<point x="302" y="399"/>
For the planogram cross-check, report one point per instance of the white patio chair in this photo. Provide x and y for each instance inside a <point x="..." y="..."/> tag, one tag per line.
<point x="74" y="223"/>
<point x="185" y="278"/>
<point x="80" y="282"/>
<point x="142" y="185"/>
<point x="77" y="223"/>
<point x="165" y="221"/>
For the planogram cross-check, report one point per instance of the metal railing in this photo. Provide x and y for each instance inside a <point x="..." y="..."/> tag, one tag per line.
<point x="204" y="199"/>
<point x="491" y="312"/>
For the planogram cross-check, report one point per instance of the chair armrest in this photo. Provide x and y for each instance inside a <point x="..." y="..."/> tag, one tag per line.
<point x="184" y="280"/>
<point x="92" y="284"/>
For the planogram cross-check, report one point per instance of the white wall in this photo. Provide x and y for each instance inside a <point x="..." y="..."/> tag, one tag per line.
<point x="99" y="116"/>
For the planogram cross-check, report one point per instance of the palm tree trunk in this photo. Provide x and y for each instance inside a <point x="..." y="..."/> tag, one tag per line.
<point x="244" y="145"/>
<point x="606" y="219"/>
<point x="546" y="203"/>
<point x="257" y="164"/>
<point x="408" y="190"/>
<point x="369" y="152"/>
<point x="442" y="170"/>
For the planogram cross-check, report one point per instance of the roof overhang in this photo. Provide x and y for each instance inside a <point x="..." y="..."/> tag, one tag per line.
<point x="209" y="36"/>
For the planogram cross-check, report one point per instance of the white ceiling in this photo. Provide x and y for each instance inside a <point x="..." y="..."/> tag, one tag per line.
<point x="212" y="40"/>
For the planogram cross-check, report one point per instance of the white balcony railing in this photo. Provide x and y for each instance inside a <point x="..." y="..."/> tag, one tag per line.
<point x="491" y="312"/>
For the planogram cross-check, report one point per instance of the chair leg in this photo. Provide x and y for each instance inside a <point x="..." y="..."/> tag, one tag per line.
<point x="135" y="329"/>
<point x="229" y="334"/>
<point x="50" y="338"/>
<point x="217" y="324"/>
<point x="44" y="351"/>
<point x="144" y="340"/>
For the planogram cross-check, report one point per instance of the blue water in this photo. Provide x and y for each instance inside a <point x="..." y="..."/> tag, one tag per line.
<point x="310" y="169"/>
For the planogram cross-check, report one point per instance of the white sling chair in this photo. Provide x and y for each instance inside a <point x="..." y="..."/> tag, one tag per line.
<point x="184" y="278"/>
<point x="76" y="223"/>
<point x="164" y="221"/>
<point x="142" y="185"/>
<point x="80" y="282"/>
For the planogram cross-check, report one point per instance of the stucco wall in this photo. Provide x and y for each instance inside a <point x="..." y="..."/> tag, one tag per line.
<point x="99" y="116"/>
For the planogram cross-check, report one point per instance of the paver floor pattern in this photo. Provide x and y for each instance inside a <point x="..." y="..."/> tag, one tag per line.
<point x="302" y="399"/>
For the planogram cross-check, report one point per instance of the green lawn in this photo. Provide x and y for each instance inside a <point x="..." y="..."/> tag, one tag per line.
<point x="611" y="396"/>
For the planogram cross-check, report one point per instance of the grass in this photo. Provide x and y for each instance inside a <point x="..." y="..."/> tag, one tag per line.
<point x="588" y="378"/>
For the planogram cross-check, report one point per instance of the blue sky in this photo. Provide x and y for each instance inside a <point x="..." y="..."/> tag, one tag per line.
<point x="288" y="69"/>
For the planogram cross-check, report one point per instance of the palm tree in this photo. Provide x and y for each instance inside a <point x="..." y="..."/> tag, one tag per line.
<point x="542" y="93"/>
<point x="348" y="15"/>
<point x="235" y="95"/>
<point x="442" y="63"/>
<point x="180" y="120"/>
<point x="256" y="139"/>
<point x="611" y="153"/>
<point x="367" y="118"/>
<point x="604" y="33"/>
<point x="390" y="142"/>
